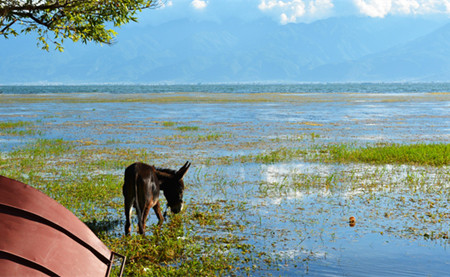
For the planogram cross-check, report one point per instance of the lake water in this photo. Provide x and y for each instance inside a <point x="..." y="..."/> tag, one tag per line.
<point x="294" y="212"/>
<point x="233" y="88"/>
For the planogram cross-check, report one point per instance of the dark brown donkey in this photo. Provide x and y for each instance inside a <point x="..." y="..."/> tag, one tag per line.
<point x="141" y="190"/>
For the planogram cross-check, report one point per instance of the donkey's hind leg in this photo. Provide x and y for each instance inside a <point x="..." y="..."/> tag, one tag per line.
<point x="128" y="205"/>
<point x="145" y="212"/>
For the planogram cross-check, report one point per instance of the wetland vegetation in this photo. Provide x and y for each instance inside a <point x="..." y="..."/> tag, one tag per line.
<point x="272" y="185"/>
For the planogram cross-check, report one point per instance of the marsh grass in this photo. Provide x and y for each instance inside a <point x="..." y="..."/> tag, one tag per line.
<point x="17" y="128"/>
<point x="210" y="137"/>
<point x="188" y="128"/>
<point x="168" y="123"/>
<point x="415" y="154"/>
<point x="275" y="156"/>
<point x="45" y="148"/>
<point x="12" y="125"/>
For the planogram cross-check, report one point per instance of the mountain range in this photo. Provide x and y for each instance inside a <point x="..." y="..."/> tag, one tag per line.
<point x="345" y="49"/>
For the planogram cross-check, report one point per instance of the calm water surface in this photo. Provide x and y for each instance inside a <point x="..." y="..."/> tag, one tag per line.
<point x="232" y="88"/>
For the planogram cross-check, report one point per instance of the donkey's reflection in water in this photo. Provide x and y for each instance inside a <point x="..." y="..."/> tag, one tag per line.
<point x="141" y="189"/>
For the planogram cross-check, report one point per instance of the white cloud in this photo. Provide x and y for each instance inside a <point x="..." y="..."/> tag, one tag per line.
<point x="319" y="6"/>
<point x="406" y="6"/>
<point x="381" y="8"/>
<point x="290" y="11"/>
<point x="434" y="6"/>
<point x="199" y="4"/>
<point x="374" y="8"/>
<point x="297" y="10"/>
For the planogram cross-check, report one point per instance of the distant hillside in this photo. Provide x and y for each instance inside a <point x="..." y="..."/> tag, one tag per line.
<point x="184" y="51"/>
<point x="424" y="59"/>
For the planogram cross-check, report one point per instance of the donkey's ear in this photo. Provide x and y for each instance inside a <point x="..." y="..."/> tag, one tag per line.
<point x="182" y="171"/>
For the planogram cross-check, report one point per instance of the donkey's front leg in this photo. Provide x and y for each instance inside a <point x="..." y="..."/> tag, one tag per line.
<point x="157" y="209"/>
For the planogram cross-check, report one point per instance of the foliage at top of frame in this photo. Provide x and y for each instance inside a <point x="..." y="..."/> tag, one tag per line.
<point x="54" y="21"/>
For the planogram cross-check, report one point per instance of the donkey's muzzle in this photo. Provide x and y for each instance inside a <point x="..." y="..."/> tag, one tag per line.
<point x="176" y="208"/>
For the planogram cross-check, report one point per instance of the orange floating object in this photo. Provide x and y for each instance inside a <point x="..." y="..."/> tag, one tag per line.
<point x="40" y="237"/>
<point x="352" y="221"/>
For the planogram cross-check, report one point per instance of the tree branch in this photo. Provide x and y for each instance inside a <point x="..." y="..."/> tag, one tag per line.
<point x="7" y="26"/>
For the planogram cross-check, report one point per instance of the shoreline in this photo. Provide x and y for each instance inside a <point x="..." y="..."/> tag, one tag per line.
<point x="217" y="97"/>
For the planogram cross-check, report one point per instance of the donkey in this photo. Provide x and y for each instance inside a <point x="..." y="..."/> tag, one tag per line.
<point x="142" y="183"/>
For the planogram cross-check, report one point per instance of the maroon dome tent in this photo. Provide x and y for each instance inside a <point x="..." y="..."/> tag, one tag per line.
<point x="40" y="237"/>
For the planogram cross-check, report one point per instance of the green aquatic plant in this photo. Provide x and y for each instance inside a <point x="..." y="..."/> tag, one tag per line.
<point x="17" y="128"/>
<point x="209" y="137"/>
<point x="168" y="123"/>
<point x="12" y="125"/>
<point x="42" y="148"/>
<point x="417" y="154"/>
<point x="275" y="156"/>
<point x="187" y="128"/>
<point x="437" y="154"/>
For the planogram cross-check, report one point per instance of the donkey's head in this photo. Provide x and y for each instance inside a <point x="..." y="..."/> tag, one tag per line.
<point x="173" y="186"/>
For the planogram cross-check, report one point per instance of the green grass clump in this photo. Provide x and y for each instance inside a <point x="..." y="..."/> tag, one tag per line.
<point x="210" y="137"/>
<point x="415" y="154"/>
<point x="187" y="128"/>
<point x="168" y="124"/>
<point x="275" y="156"/>
<point x="17" y="128"/>
<point x="11" y="125"/>
<point x="45" y="148"/>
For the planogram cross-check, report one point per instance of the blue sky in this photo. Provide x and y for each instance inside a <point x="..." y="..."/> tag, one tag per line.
<point x="293" y="11"/>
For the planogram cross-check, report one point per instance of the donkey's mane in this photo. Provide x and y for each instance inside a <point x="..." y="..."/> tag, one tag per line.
<point x="169" y="172"/>
<point x="166" y="170"/>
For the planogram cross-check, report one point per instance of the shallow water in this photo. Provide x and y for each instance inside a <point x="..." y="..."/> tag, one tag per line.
<point x="306" y="230"/>
<point x="295" y="213"/>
